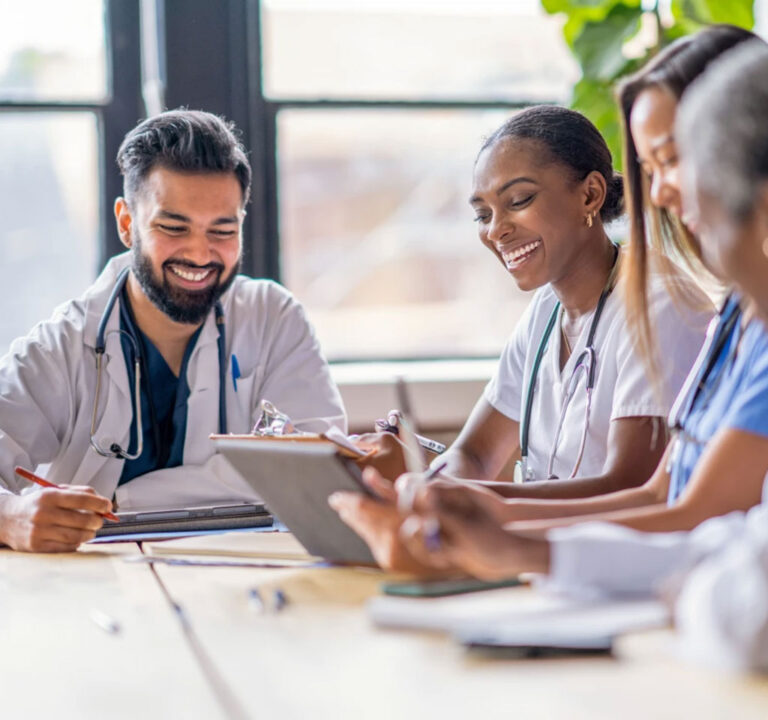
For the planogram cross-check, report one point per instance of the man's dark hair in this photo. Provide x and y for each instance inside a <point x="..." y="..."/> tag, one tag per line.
<point x="184" y="141"/>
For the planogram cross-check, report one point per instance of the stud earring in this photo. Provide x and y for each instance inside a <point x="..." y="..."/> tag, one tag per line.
<point x="589" y="219"/>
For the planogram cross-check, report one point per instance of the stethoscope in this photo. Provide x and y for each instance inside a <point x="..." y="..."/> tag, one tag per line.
<point x="586" y="364"/>
<point x="718" y="332"/>
<point x="115" y="451"/>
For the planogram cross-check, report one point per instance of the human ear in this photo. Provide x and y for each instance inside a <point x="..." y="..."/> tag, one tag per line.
<point x="595" y="189"/>
<point x="123" y="220"/>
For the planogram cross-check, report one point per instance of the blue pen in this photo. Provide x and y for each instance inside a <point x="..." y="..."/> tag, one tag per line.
<point x="280" y="599"/>
<point x="235" y="371"/>
<point x="255" y="600"/>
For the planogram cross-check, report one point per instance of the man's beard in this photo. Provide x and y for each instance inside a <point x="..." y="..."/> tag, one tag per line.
<point x="182" y="306"/>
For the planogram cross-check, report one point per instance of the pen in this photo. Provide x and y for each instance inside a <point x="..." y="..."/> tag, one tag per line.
<point x="418" y="477"/>
<point x="255" y="600"/>
<point x="280" y="599"/>
<point x="431" y="524"/>
<point x="407" y="414"/>
<point x="425" y="442"/>
<point x="435" y="471"/>
<point x="235" y="371"/>
<point x="414" y="464"/>
<point x="105" y="622"/>
<point x="27" y="475"/>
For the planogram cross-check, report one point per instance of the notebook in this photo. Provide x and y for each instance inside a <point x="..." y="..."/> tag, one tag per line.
<point x="204" y="517"/>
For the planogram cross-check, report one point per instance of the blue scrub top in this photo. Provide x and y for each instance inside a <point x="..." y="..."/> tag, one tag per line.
<point x="735" y="395"/>
<point x="162" y="391"/>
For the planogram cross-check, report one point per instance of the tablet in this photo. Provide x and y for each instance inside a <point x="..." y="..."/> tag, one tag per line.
<point x="205" y="517"/>
<point x="294" y="480"/>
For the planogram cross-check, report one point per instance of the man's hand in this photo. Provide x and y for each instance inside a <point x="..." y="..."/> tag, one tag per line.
<point x="52" y="520"/>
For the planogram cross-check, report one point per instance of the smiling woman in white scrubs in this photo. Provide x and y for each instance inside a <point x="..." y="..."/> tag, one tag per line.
<point x="570" y="393"/>
<point x="543" y="188"/>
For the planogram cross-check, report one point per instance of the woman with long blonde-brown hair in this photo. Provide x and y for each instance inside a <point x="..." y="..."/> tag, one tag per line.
<point x="651" y="180"/>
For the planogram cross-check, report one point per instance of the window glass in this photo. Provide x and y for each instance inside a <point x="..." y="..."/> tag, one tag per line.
<point x="60" y="57"/>
<point x="414" y="49"/>
<point x="49" y="202"/>
<point x="378" y="239"/>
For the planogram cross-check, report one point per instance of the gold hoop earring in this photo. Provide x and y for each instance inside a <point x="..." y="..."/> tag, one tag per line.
<point x="589" y="220"/>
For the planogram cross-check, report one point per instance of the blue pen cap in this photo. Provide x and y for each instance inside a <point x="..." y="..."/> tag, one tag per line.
<point x="235" y="371"/>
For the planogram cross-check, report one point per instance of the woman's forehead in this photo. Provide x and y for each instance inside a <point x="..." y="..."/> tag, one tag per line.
<point x="652" y="119"/>
<point x="512" y="156"/>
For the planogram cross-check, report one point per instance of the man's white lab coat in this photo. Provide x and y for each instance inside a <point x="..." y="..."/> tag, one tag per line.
<point x="48" y="383"/>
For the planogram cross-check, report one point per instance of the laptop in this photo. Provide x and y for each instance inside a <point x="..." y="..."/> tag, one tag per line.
<point x="204" y="517"/>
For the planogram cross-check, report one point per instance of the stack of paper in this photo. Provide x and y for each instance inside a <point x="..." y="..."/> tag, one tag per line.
<point x="517" y="615"/>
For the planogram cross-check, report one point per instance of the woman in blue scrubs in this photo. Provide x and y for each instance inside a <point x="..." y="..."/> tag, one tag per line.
<point x="720" y="456"/>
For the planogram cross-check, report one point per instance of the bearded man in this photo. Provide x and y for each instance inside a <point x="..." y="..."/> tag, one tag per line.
<point x="119" y="391"/>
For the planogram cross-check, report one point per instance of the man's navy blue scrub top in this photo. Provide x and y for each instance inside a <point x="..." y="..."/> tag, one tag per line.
<point x="163" y="401"/>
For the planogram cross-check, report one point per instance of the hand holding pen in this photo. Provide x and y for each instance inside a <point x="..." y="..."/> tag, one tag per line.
<point x="407" y="488"/>
<point x="58" y="519"/>
<point x="418" y="477"/>
<point x="42" y="482"/>
<point x="391" y="425"/>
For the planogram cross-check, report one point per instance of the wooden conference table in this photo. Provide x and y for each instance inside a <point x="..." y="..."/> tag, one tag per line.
<point x="320" y="657"/>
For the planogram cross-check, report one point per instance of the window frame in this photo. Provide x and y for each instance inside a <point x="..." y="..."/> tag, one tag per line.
<point x="115" y="114"/>
<point x="228" y="35"/>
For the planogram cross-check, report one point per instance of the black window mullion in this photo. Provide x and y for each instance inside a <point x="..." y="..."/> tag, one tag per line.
<point x="121" y="113"/>
<point x="262" y="251"/>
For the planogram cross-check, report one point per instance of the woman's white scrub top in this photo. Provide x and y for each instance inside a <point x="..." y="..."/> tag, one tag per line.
<point x="622" y="385"/>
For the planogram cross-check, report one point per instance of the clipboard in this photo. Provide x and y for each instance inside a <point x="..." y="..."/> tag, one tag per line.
<point x="335" y="437"/>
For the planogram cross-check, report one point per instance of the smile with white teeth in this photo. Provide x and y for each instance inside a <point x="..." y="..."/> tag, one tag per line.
<point x="514" y="258"/>
<point x="191" y="275"/>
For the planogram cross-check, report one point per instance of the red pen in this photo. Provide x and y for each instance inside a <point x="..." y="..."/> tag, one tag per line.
<point x="27" y="475"/>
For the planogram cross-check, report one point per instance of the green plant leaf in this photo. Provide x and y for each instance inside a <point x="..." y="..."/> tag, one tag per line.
<point x="595" y="99"/>
<point x="598" y="46"/>
<point x="556" y="6"/>
<point x="592" y="7"/>
<point x="581" y="12"/>
<point x="596" y="31"/>
<point x="707" y="12"/>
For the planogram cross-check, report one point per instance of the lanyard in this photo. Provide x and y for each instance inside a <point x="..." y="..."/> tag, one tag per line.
<point x="723" y="325"/>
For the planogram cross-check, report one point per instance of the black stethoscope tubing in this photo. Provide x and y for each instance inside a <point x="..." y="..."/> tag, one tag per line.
<point x="139" y="365"/>
<point x="589" y="351"/>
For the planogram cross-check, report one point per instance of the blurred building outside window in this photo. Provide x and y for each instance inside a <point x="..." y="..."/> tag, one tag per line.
<point x="49" y="179"/>
<point x="376" y="235"/>
<point x="377" y="238"/>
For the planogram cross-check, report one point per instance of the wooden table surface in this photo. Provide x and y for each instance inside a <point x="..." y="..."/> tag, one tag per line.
<point x="191" y="645"/>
